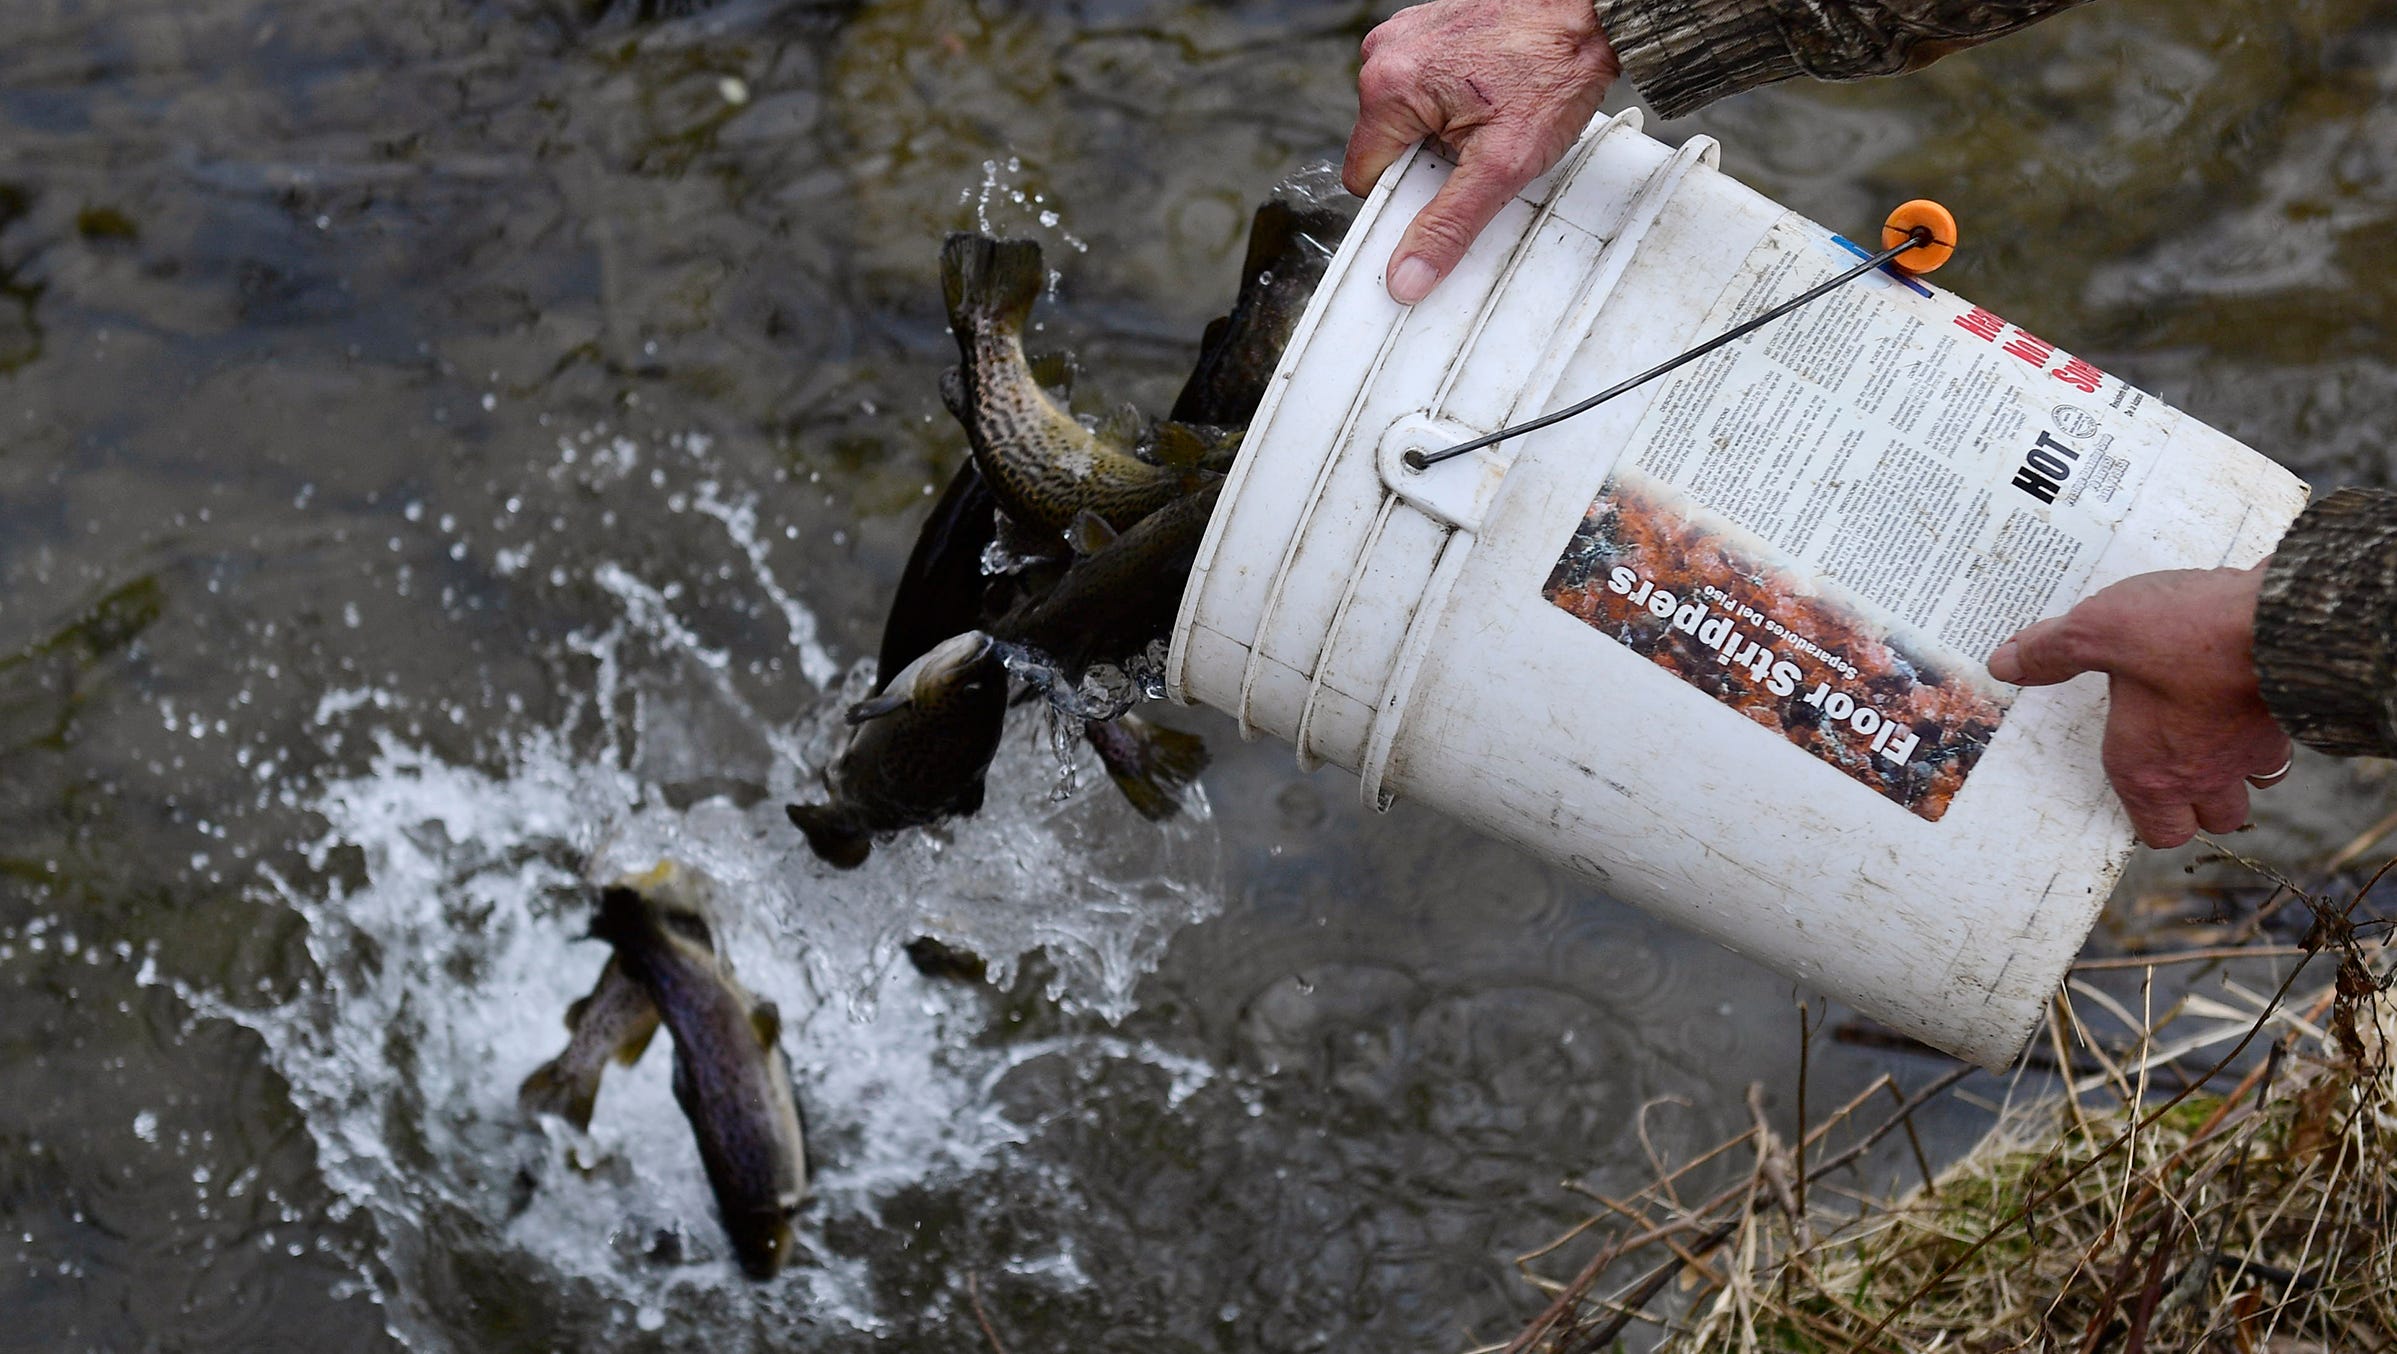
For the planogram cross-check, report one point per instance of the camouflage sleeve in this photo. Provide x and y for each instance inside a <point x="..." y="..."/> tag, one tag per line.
<point x="1685" y="54"/>
<point x="2326" y="626"/>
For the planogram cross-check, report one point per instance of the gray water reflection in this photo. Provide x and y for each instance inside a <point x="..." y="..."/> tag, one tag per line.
<point x="428" y="434"/>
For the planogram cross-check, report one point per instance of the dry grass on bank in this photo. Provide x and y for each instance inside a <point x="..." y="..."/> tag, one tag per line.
<point x="2255" y="1211"/>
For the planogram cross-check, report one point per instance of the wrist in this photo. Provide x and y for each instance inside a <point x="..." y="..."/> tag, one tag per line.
<point x="1685" y="54"/>
<point x="2320" y="647"/>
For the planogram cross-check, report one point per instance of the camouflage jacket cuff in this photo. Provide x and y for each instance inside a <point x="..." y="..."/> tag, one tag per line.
<point x="1685" y="54"/>
<point x="2326" y="624"/>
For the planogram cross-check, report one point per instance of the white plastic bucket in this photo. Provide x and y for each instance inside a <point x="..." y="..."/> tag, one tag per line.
<point x="1718" y="644"/>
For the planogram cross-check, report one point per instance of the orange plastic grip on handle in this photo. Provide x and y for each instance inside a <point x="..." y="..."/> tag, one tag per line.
<point x="1927" y="215"/>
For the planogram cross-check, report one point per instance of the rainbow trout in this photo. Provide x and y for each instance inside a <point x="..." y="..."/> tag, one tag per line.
<point x="919" y="753"/>
<point x="1045" y="468"/>
<point x="730" y="1076"/>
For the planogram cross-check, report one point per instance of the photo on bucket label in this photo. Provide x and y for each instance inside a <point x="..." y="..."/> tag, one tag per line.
<point x="1654" y="573"/>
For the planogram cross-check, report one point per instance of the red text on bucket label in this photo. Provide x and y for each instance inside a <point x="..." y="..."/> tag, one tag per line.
<point x="1882" y="486"/>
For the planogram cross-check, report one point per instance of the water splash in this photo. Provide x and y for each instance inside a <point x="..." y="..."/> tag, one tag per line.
<point x="1104" y="691"/>
<point x="446" y="907"/>
<point x="1003" y="206"/>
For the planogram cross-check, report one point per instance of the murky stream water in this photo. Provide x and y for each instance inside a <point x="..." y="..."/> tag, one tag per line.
<point x="439" y="444"/>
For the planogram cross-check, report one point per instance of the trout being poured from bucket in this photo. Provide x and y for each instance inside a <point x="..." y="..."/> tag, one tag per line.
<point x="730" y="1076"/>
<point x="1044" y="467"/>
<point x="919" y="754"/>
<point x="943" y="593"/>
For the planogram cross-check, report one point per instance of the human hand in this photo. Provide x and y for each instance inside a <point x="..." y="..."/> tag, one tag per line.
<point x="2186" y="731"/>
<point x="1506" y="84"/>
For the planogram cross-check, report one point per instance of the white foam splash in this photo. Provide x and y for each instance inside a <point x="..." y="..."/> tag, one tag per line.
<point x="446" y="907"/>
<point x="739" y="516"/>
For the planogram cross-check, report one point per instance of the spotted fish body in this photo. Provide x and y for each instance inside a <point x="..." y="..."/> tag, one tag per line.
<point x="1045" y="468"/>
<point x="730" y="1076"/>
<point x="919" y="754"/>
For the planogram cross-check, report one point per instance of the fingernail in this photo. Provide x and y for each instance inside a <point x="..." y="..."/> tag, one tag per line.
<point x="1411" y="281"/>
<point x="2002" y="660"/>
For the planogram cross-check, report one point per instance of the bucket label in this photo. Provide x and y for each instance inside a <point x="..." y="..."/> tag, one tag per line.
<point x="1829" y="525"/>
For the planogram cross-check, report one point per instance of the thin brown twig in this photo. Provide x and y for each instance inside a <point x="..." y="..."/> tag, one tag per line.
<point x="2167" y="958"/>
<point x="973" y="1291"/>
<point x="1649" y="1285"/>
<point x="1881" y="1327"/>
<point x="1798" y="1151"/>
<point x="1922" y="1160"/>
<point x="1569" y="1296"/>
<point x="1839" y="1116"/>
<point x="2371" y="837"/>
<point x="1862" y="1033"/>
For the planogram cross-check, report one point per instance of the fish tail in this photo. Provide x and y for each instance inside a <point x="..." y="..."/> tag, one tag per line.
<point x="553" y="1090"/>
<point x="1151" y="765"/>
<point x="989" y="284"/>
<point x="831" y="835"/>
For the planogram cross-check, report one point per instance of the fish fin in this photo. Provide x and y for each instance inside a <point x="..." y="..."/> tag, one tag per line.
<point x="1150" y="764"/>
<point x="575" y="1009"/>
<point x="955" y="397"/>
<point x="989" y="284"/>
<point x="1269" y="237"/>
<point x="1123" y="425"/>
<point x="1023" y="542"/>
<point x="1213" y="337"/>
<point x="766" y="1018"/>
<point x="1054" y="371"/>
<point x="1089" y="533"/>
<point x="875" y="707"/>
<point x="970" y="803"/>
<point x="636" y="1043"/>
<point x="830" y="835"/>
<point x="551" y="1090"/>
<point x="1222" y="446"/>
<point x="1178" y="445"/>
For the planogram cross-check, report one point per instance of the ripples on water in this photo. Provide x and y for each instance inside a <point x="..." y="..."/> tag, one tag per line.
<point x="443" y="444"/>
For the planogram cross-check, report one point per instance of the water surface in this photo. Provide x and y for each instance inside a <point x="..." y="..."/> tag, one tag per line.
<point x="440" y="442"/>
